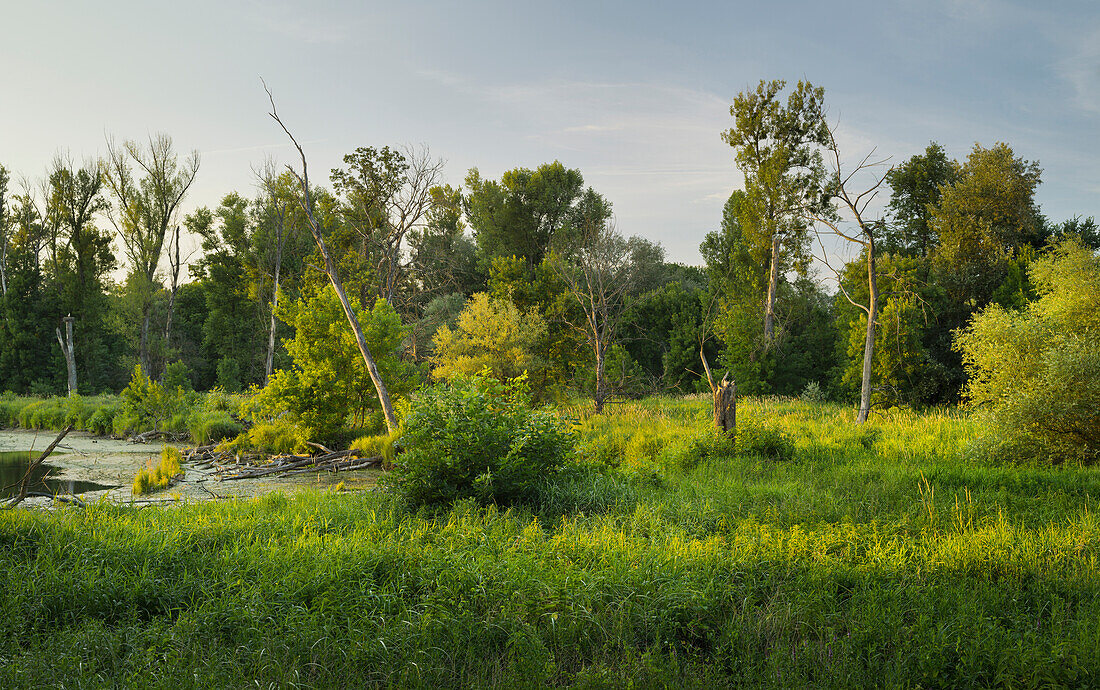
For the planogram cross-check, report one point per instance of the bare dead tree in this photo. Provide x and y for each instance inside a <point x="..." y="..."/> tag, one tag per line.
<point x="69" y="350"/>
<point x="305" y="200"/>
<point x="853" y="209"/>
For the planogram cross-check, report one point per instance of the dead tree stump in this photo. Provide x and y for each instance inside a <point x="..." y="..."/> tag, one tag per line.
<point x="725" y="406"/>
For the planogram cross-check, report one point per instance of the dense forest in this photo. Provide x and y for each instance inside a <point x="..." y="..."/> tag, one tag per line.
<point x="525" y="273"/>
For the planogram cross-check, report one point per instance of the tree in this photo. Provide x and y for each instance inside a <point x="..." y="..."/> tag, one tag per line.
<point x="916" y="187"/>
<point x="444" y="258"/>
<point x="278" y="203"/>
<point x="5" y="225"/>
<point x="600" y="274"/>
<point x="386" y="194"/>
<point x="530" y="212"/>
<point x="305" y="200"/>
<point x="854" y="206"/>
<point x="328" y="385"/>
<point x="1036" y="372"/>
<point x="490" y="334"/>
<point x="983" y="221"/>
<point x="147" y="208"/>
<point x="777" y="151"/>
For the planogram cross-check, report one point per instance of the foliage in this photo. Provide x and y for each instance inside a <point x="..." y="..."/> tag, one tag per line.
<point x="148" y="405"/>
<point x="328" y="385"/>
<point x="1037" y="371"/>
<point x="490" y="334"/>
<point x="475" y="437"/>
<point x="740" y="572"/>
<point x="154" y="477"/>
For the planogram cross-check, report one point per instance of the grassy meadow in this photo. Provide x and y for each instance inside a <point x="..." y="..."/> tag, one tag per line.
<point x="824" y="555"/>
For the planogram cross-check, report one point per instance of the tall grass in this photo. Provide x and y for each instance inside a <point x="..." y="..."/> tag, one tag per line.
<point x="876" y="556"/>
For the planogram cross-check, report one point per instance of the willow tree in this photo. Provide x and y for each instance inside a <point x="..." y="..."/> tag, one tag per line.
<point x="147" y="207"/>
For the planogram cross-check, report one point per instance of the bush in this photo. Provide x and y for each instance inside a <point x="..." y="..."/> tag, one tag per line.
<point x="156" y="477"/>
<point x="208" y="426"/>
<point x="475" y="437"/>
<point x="813" y="394"/>
<point x="147" y="405"/>
<point x="754" y="438"/>
<point x="706" y="445"/>
<point x="1036" y="372"/>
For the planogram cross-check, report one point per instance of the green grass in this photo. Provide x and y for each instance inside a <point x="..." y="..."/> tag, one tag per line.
<point x="877" y="556"/>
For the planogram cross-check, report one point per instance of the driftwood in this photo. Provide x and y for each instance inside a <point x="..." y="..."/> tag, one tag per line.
<point x="34" y="465"/>
<point x="147" y="436"/>
<point x="224" y="465"/>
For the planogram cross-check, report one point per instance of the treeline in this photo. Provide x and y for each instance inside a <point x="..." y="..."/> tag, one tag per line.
<point x="524" y="273"/>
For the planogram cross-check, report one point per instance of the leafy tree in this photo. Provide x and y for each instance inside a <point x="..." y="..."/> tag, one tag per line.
<point x="147" y="208"/>
<point x="386" y="193"/>
<point x="777" y="149"/>
<point x="444" y="258"/>
<point x="1037" y="371"/>
<point x="530" y="212"/>
<point x="916" y="186"/>
<point x="600" y="274"/>
<point x="328" y="385"/>
<point x="491" y="334"/>
<point x="983" y="220"/>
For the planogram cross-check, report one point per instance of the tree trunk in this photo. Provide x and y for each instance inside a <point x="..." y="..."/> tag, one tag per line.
<point x="725" y="406"/>
<point x="143" y="347"/>
<point x="773" y="286"/>
<point x="725" y="399"/>
<point x="274" y="303"/>
<point x="869" y="343"/>
<point x="69" y="350"/>
<point x="601" y="384"/>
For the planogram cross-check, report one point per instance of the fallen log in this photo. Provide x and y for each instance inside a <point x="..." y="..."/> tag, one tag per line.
<point x="34" y="465"/>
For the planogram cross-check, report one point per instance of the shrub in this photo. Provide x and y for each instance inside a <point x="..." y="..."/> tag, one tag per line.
<point x="686" y="455"/>
<point x="147" y="405"/>
<point x="754" y="438"/>
<point x="1036" y="372"/>
<point x="813" y="394"/>
<point x="156" y="477"/>
<point x="475" y="437"/>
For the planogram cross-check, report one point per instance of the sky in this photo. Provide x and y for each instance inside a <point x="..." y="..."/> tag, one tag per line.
<point x="634" y="94"/>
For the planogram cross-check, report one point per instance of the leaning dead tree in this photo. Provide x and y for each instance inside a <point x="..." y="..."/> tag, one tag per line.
<point x="305" y="201"/>
<point x="853" y="207"/>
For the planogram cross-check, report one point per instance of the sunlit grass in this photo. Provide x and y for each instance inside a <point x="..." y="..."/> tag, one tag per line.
<point x="877" y="556"/>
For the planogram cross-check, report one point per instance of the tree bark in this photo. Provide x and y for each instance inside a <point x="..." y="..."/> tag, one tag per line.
<point x="773" y="287"/>
<point x="69" y="350"/>
<point x="274" y="302"/>
<point x="725" y="406"/>
<point x="601" y="383"/>
<point x="869" y="343"/>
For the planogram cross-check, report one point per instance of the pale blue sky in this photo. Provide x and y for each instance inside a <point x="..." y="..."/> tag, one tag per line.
<point x="634" y="94"/>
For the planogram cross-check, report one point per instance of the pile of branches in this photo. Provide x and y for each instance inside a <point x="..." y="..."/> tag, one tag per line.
<point x="227" y="465"/>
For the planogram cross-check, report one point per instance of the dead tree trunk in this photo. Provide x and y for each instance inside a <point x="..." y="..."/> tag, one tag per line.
<point x="769" y="300"/>
<point x="334" y="277"/>
<point x="69" y="350"/>
<point x="174" y="262"/>
<point x="725" y="400"/>
<point x="274" y="295"/>
<point x="18" y="498"/>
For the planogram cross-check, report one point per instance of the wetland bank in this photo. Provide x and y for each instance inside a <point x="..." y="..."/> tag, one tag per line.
<point x="95" y="468"/>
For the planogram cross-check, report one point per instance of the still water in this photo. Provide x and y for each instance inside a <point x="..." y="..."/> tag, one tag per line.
<point x="13" y="464"/>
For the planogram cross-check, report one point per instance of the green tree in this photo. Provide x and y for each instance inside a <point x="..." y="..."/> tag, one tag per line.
<point x="1036" y="372"/>
<point x="915" y="189"/>
<point x="146" y="208"/>
<point x="530" y="212"/>
<point x="983" y="221"/>
<point x="328" y="385"/>
<point x="778" y="151"/>
<point x="491" y="334"/>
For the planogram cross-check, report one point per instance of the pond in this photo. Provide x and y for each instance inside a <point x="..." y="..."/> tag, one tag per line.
<point x="13" y="464"/>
